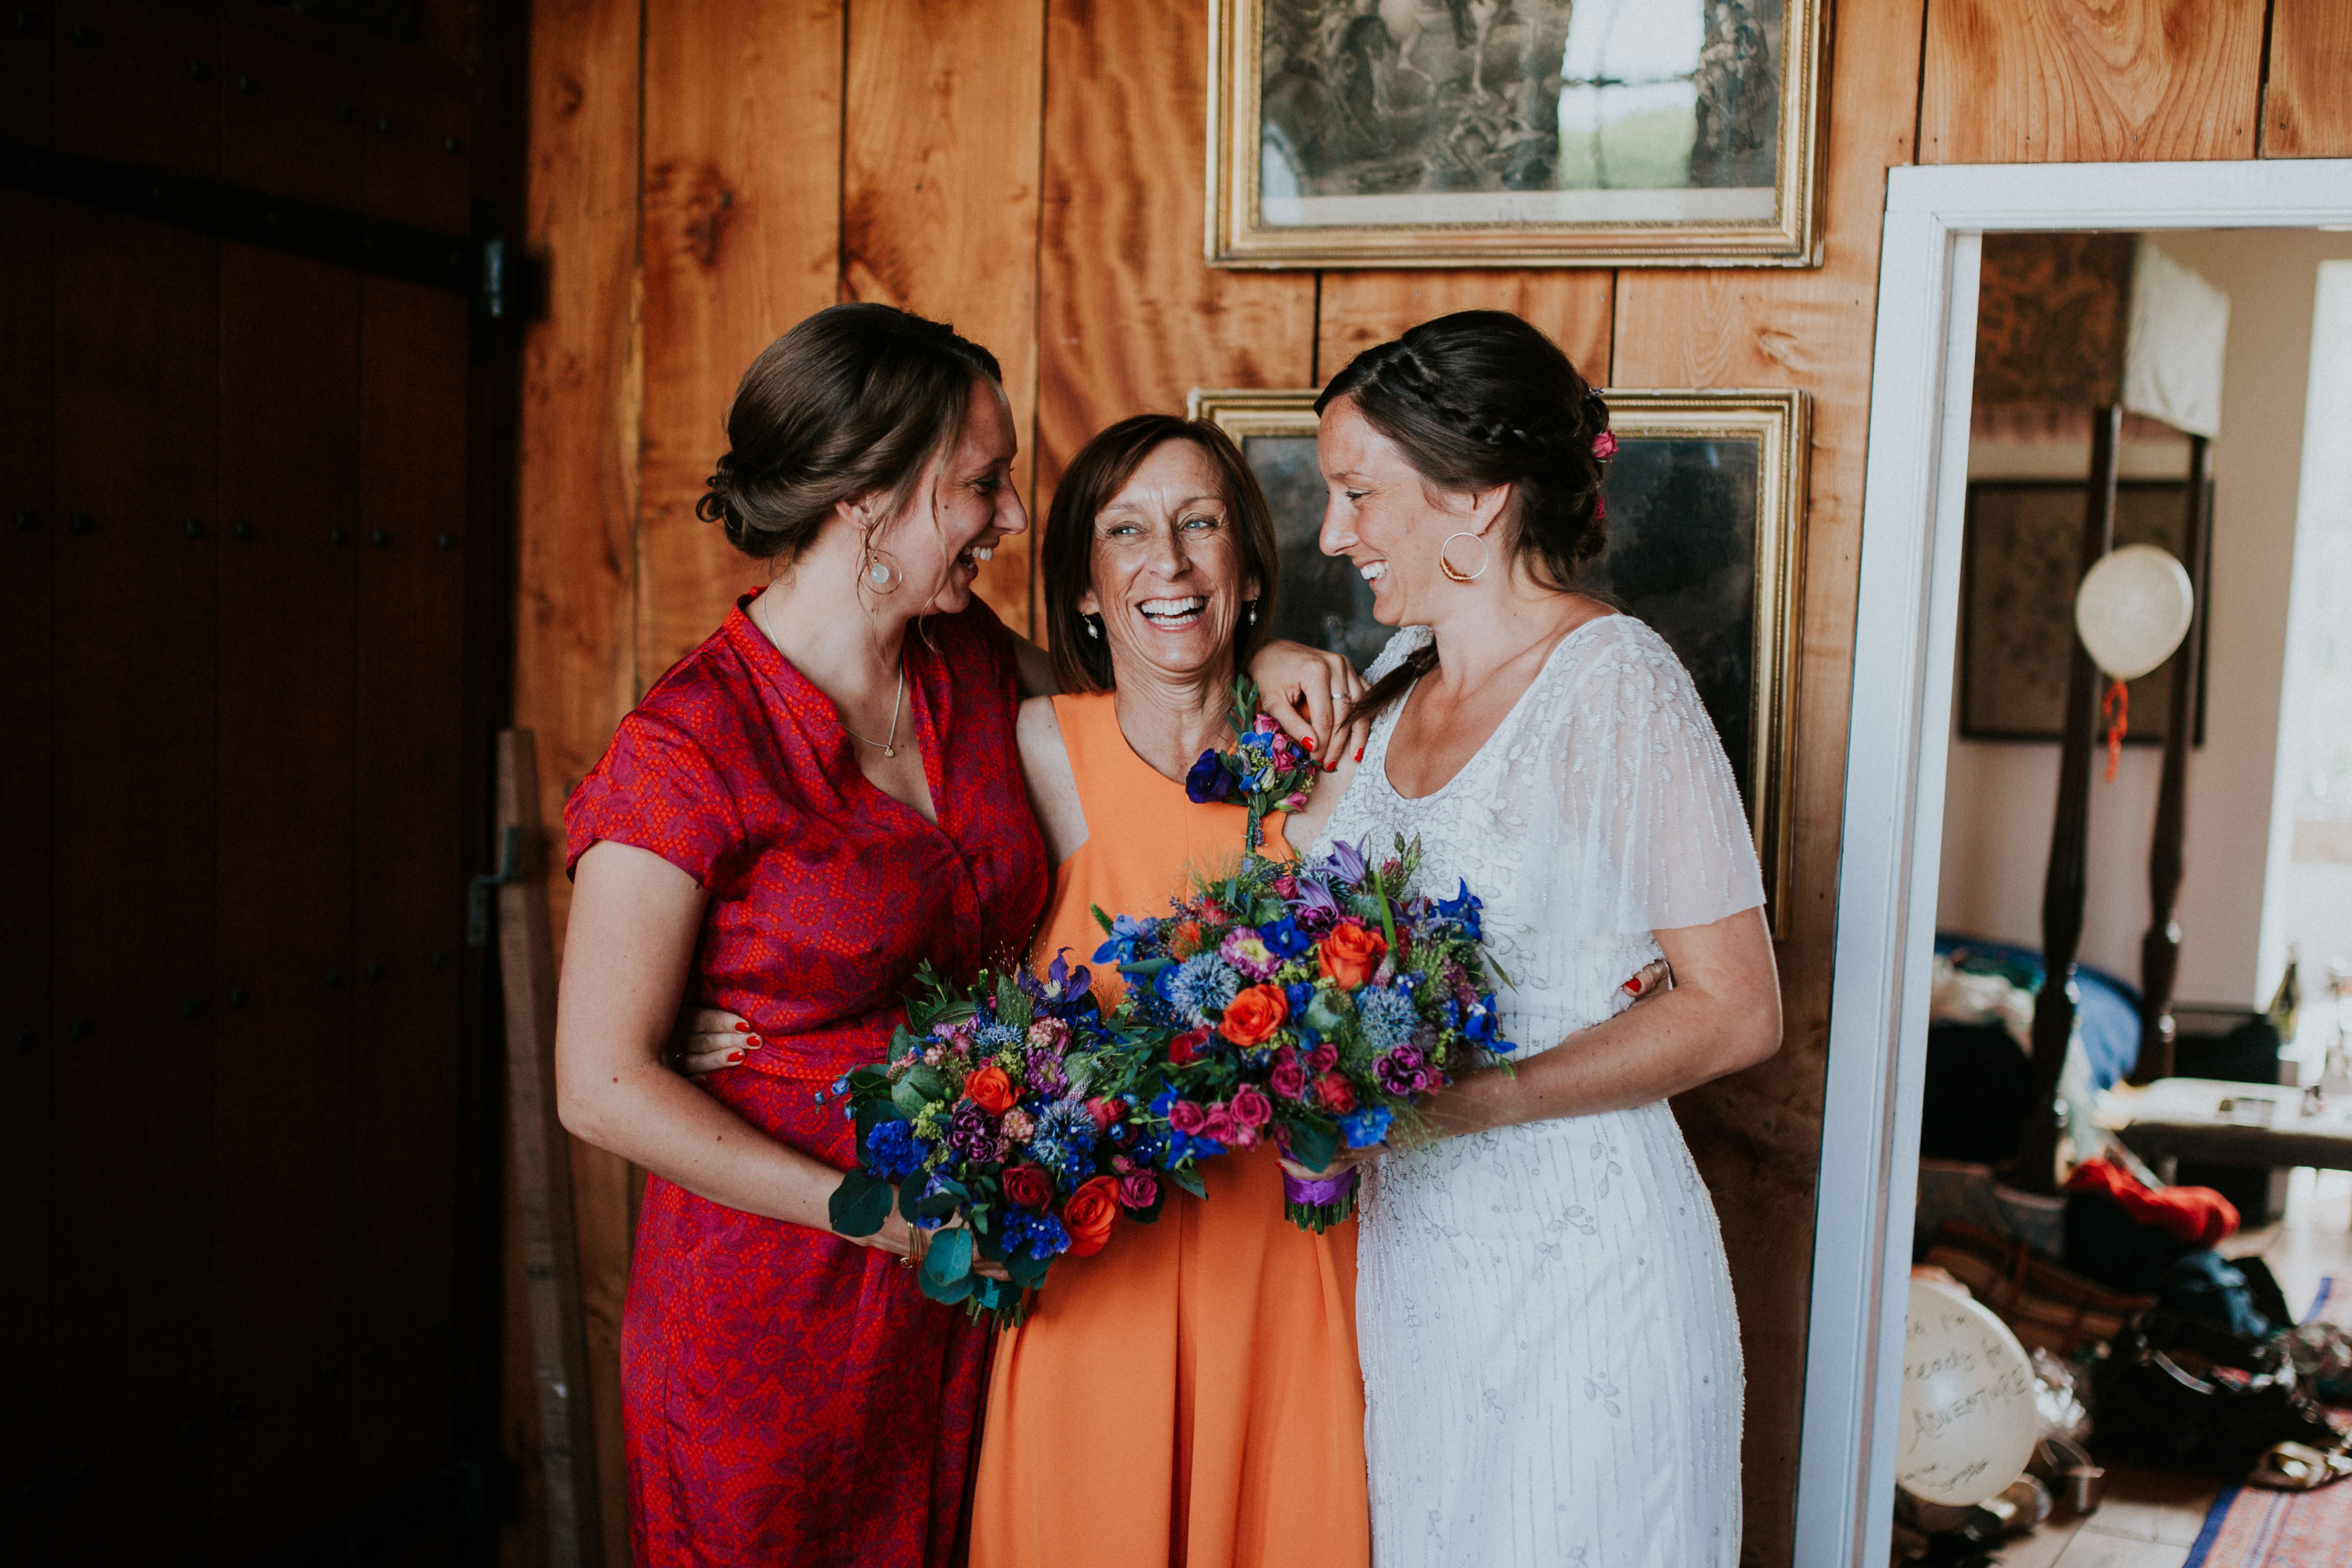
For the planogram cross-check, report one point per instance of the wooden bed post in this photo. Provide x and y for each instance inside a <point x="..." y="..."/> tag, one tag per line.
<point x="2160" y="950"/>
<point x="2062" y="891"/>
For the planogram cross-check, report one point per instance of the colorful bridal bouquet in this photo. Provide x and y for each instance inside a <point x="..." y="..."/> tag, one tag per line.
<point x="1001" y="1124"/>
<point x="1311" y="1003"/>
<point x="1264" y="770"/>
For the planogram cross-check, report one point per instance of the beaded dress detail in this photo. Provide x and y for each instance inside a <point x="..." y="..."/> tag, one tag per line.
<point x="1551" y="1359"/>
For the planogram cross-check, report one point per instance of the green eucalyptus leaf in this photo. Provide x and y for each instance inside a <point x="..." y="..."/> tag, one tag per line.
<point x="859" y="1205"/>
<point x="910" y="1198"/>
<point x="1028" y="1272"/>
<point x="1313" y="1144"/>
<point x="934" y="1206"/>
<point x="948" y="1261"/>
<point x="1188" y="1179"/>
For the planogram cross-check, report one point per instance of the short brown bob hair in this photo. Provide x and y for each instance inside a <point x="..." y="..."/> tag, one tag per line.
<point x="1102" y="468"/>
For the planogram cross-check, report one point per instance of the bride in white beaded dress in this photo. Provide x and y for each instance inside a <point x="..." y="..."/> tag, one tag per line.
<point x="1552" y="1360"/>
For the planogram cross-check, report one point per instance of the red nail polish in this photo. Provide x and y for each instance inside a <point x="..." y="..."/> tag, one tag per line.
<point x="1359" y="754"/>
<point x="1307" y="741"/>
<point x="734" y="1056"/>
<point x="742" y="1028"/>
<point x="757" y="1043"/>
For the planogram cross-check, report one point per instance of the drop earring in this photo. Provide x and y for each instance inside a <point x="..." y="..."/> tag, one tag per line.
<point x="880" y="572"/>
<point x="1094" y="627"/>
<point x="1253" y="612"/>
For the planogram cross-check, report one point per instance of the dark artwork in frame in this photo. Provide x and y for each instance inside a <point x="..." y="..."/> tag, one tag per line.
<point x="1680" y="556"/>
<point x="2020" y="555"/>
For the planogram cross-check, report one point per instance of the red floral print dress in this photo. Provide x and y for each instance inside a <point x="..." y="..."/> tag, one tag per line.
<point x="788" y="1397"/>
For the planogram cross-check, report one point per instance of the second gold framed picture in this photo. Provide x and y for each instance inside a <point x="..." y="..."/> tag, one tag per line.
<point x="1514" y="132"/>
<point x="1707" y="498"/>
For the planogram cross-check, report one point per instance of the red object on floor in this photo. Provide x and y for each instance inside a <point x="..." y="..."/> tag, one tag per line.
<point x="2197" y="1215"/>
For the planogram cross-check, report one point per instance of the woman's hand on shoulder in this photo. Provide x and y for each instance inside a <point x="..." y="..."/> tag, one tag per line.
<point x="1312" y="694"/>
<point x="1053" y="785"/>
<point x="1302" y="828"/>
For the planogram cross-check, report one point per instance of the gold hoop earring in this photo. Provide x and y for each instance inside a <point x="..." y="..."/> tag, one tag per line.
<point x="1454" y="573"/>
<point x="881" y="572"/>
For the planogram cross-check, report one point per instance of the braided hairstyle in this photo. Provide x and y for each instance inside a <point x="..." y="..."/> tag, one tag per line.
<point x="856" y="399"/>
<point x="1481" y="398"/>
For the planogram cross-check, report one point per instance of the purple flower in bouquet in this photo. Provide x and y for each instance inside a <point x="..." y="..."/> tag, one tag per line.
<point x="1210" y="782"/>
<point x="1246" y="950"/>
<point x="1065" y="990"/>
<point x="1401" y="1071"/>
<point x="1348" y="862"/>
<point x="1044" y="1067"/>
<point x="971" y="1131"/>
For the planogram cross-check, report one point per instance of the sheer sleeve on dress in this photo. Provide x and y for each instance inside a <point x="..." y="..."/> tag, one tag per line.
<point x="1642" y="799"/>
<point x="657" y="789"/>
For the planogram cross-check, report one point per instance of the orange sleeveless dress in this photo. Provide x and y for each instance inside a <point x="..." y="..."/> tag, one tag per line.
<point x="1189" y="1397"/>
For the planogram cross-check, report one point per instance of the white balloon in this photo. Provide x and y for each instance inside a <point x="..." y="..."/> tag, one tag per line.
<point x="1968" y="1417"/>
<point x="2132" y="609"/>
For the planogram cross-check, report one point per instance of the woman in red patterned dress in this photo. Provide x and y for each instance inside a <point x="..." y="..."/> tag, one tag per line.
<point x="823" y="796"/>
<point x="805" y="809"/>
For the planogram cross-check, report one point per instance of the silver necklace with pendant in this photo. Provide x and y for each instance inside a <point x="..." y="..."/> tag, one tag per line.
<point x="888" y="748"/>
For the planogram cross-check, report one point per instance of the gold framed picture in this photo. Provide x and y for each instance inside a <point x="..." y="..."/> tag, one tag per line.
<point x="1706" y="506"/>
<point x="1515" y="133"/>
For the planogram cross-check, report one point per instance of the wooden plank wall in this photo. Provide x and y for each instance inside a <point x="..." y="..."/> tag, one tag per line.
<point x="1032" y="170"/>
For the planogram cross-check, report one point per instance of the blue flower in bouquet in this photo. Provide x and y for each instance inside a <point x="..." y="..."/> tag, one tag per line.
<point x="1063" y="992"/>
<point x="891" y="1150"/>
<point x="1064" y="1141"/>
<point x="1366" y="1127"/>
<point x="1480" y="1025"/>
<point x="1209" y="781"/>
<point x="1283" y="939"/>
<point x="995" y="1035"/>
<point x="1298" y="994"/>
<point x="1385" y="1018"/>
<point x="1199" y="985"/>
<point x="1126" y="931"/>
<point x="1462" y="909"/>
<point x="1034" y="1234"/>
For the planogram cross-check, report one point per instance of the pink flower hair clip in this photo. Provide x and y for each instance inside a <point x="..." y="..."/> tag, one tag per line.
<point x="1604" y="445"/>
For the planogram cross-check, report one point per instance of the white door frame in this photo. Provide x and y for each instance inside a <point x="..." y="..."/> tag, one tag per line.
<point x="1905" y="632"/>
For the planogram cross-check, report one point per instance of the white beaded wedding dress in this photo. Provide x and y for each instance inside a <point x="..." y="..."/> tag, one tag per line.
<point x="1551" y="1361"/>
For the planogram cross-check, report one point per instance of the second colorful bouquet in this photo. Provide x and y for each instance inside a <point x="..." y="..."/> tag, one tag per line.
<point x="1310" y="1003"/>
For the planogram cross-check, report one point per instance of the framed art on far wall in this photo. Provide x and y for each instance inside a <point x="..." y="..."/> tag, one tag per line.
<point x="2021" y="548"/>
<point x="1513" y="133"/>
<point x="1707" y="498"/>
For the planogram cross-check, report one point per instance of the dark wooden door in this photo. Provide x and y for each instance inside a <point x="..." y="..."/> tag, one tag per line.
<point x="242" y="1099"/>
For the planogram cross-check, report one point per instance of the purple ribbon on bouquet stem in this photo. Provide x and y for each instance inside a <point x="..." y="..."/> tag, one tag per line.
<point x="1331" y="1189"/>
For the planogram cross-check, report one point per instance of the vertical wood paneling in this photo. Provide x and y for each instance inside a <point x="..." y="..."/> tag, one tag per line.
<point x="576" y="658"/>
<point x="27" y="80"/>
<point x="1359" y="310"/>
<point x="1131" y="318"/>
<point x="2040" y="81"/>
<point x="29" y="1047"/>
<point x="290" y="121"/>
<point x="140" y="83"/>
<point x="740" y="231"/>
<point x="282" y="1085"/>
<point x="1758" y="1134"/>
<point x="408" y="921"/>
<point x="2308" y="112"/>
<point x="137" y="357"/>
<point x="940" y="192"/>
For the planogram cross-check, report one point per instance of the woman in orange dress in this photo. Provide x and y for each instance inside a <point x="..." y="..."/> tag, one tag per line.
<point x="1189" y="1397"/>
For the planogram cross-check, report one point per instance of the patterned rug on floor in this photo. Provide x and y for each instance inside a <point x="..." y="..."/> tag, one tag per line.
<point x="2251" y="1528"/>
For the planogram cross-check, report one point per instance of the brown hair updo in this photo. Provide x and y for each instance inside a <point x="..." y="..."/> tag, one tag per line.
<point x="858" y="398"/>
<point x="1477" y="399"/>
<point x="1101" y="469"/>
